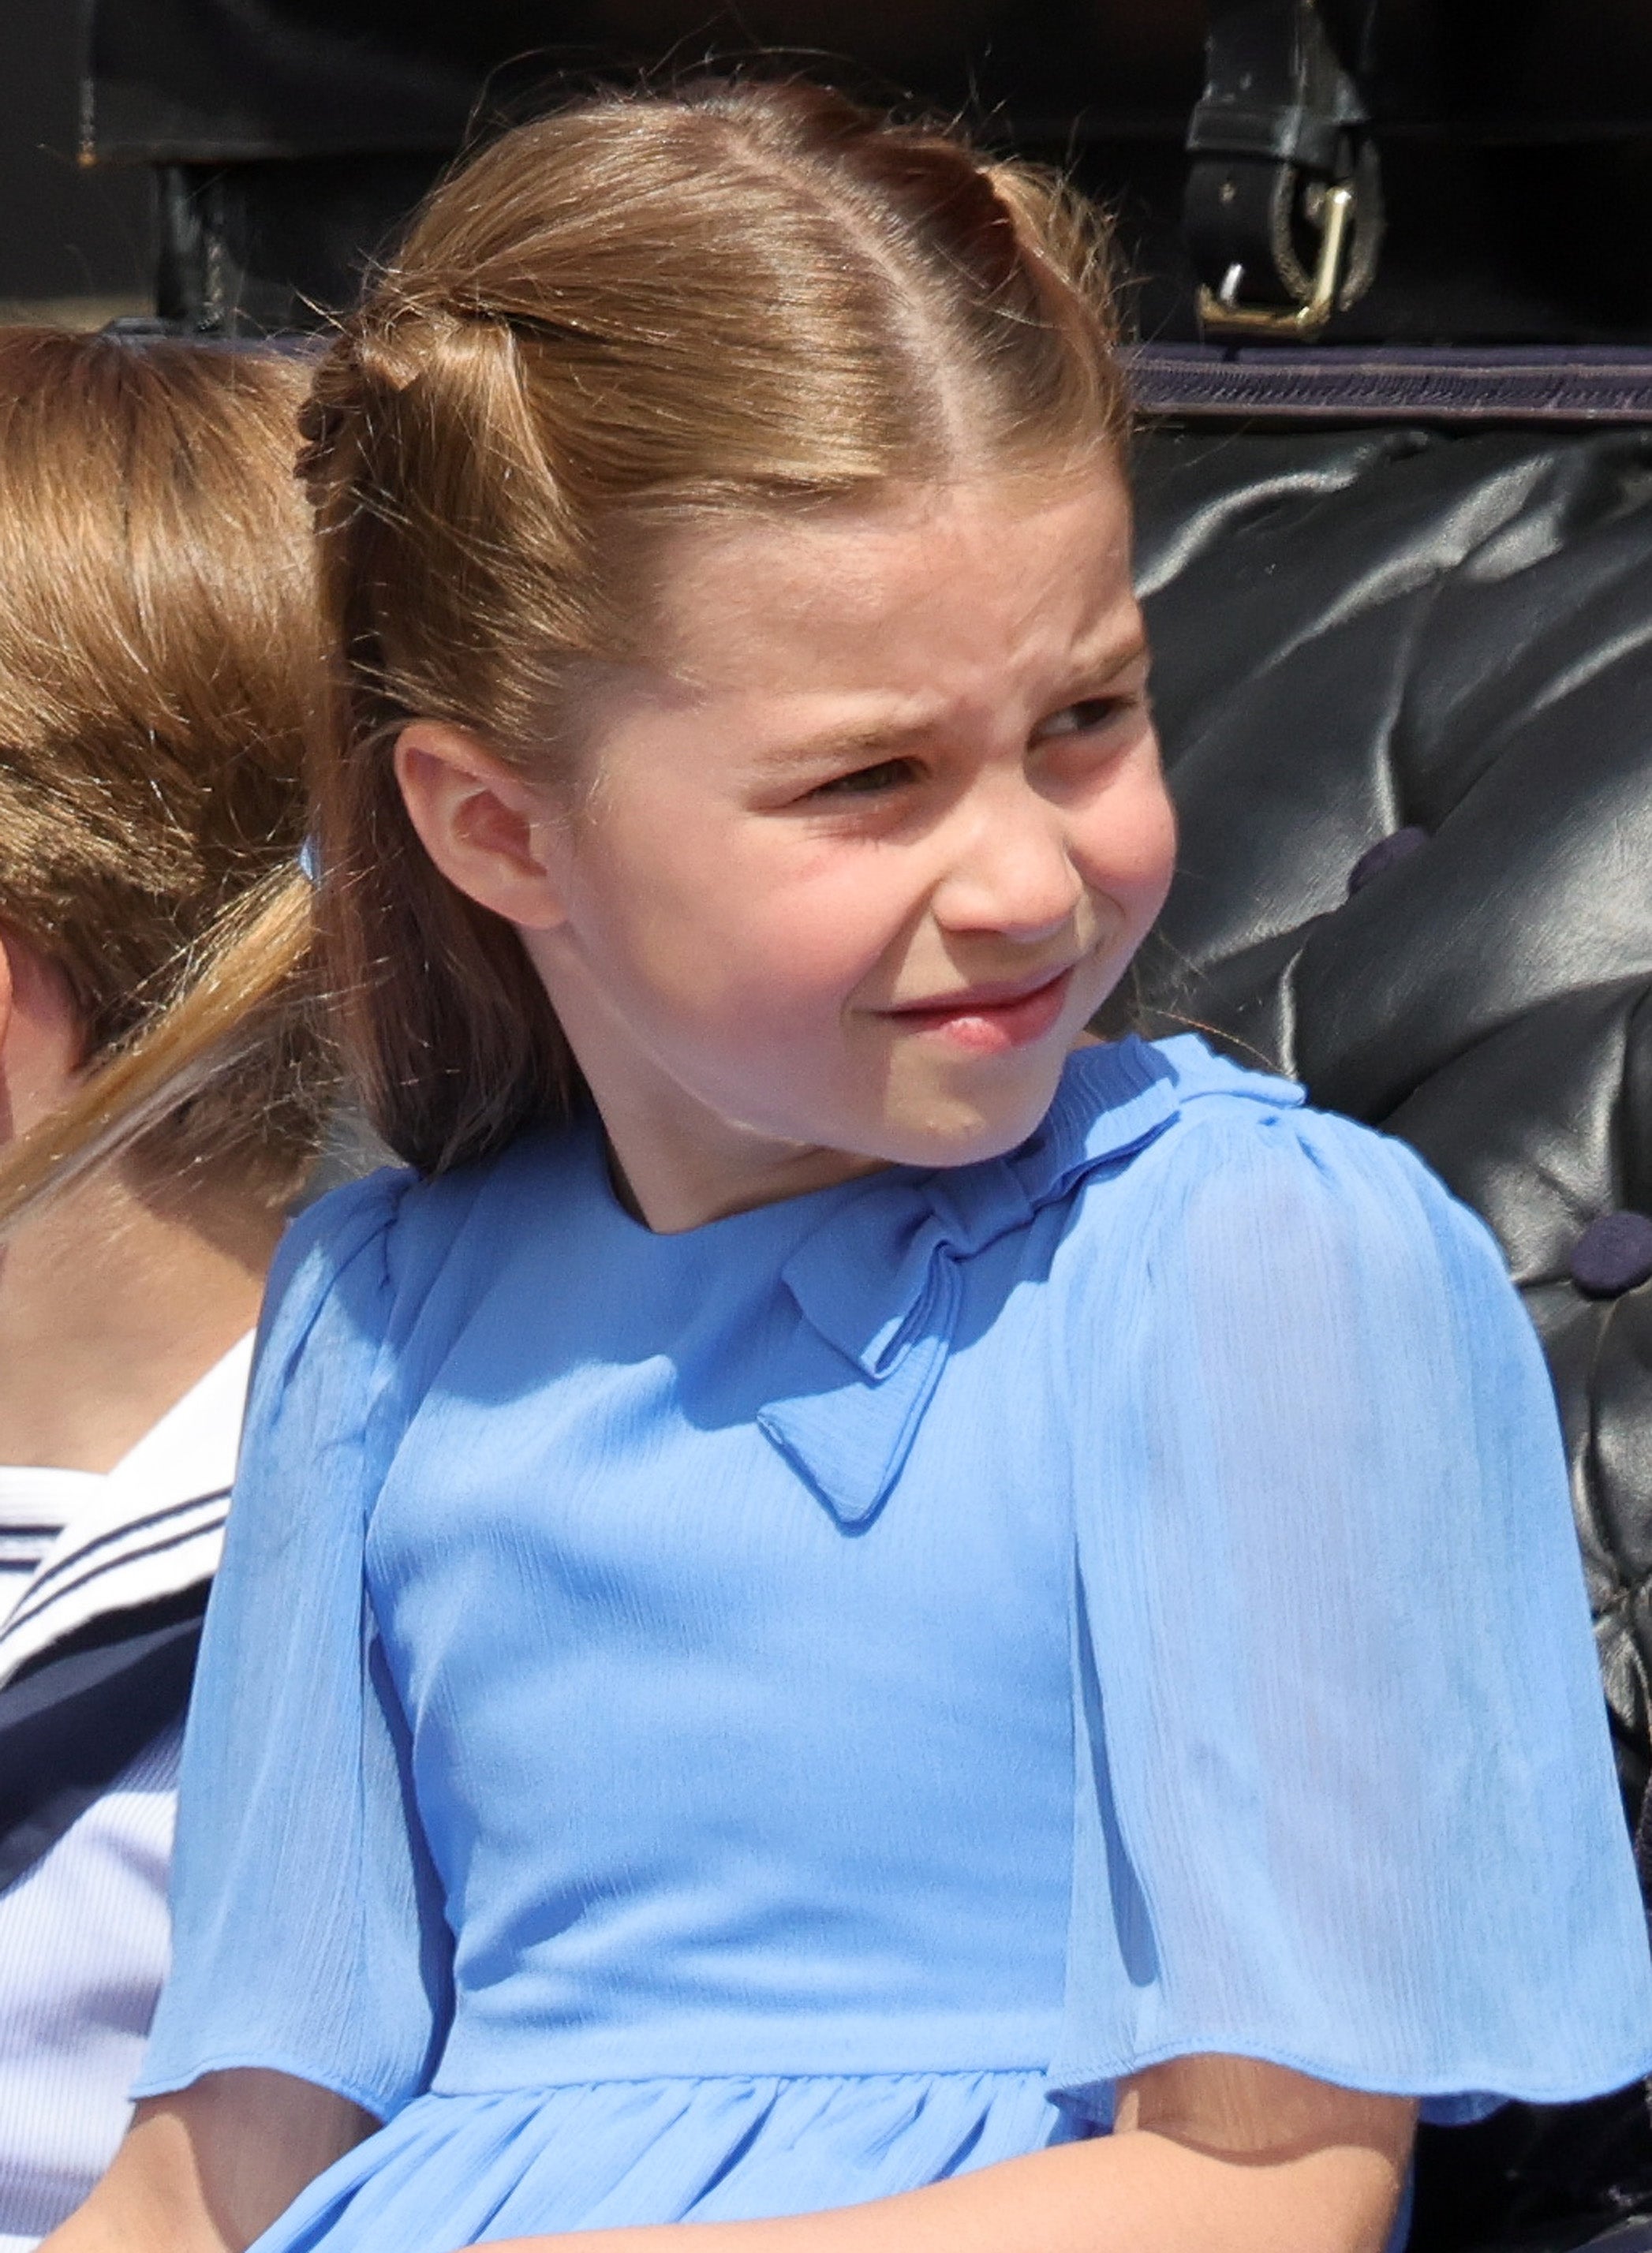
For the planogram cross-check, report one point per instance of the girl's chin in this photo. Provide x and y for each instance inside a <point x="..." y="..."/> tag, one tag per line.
<point x="942" y="1126"/>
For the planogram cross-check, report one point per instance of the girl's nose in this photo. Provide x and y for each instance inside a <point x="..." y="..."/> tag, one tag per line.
<point x="1011" y="873"/>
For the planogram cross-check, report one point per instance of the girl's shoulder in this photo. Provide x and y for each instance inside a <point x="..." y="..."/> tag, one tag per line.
<point x="1226" y="1181"/>
<point x="370" y="1286"/>
<point x="391" y="1242"/>
<point x="1161" y="1119"/>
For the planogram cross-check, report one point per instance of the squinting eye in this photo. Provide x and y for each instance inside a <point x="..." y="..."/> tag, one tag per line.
<point x="1082" y="719"/>
<point x="865" y="782"/>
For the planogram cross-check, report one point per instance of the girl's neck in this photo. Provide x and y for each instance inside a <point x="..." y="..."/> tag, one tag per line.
<point x="679" y="1194"/>
<point x="113" y="1304"/>
<point x="674" y="1165"/>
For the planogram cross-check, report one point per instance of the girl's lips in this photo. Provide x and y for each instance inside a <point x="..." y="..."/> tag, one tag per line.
<point x="990" y="1028"/>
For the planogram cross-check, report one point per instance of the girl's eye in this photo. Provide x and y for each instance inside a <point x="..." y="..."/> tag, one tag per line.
<point x="866" y="782"/>
<point x="1083" y="718"/>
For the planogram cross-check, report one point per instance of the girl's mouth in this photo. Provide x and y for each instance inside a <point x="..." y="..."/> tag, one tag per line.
<point x="985" y="1021"/>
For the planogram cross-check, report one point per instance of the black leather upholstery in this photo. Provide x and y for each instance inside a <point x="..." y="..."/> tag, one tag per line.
<point x="1362" y="633"/>
<point x="1445" y="641"/>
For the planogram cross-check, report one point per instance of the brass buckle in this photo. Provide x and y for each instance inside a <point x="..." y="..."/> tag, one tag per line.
<point x="1306" y="321"/>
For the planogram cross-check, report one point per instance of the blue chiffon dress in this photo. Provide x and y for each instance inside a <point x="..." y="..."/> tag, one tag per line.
<point x="719" y="1725"/>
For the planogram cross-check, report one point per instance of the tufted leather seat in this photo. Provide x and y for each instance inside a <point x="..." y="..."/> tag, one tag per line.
<point x="1405" y="683"/>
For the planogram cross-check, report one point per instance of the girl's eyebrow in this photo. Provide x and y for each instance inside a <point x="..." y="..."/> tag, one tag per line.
<point x="834" y="744"/>
<point x="1111" y="659"/>
<point x="875" y="740"/>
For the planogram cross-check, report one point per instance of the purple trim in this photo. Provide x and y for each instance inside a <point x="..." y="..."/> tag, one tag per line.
<point x="1394" y="383"/>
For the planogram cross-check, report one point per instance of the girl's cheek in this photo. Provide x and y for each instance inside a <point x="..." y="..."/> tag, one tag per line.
<point x="766" y="975"/>
<point x="830" y="927"/>
<point x="1135" y="842"/>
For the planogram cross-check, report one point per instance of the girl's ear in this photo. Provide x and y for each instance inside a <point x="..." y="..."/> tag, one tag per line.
<point x="6" y="992"/>
<point x="42" y="1040"/>
<point x="498" y="839"/>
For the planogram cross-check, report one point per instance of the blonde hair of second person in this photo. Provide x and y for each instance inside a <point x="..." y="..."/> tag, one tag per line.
<point x="158" y="667"/>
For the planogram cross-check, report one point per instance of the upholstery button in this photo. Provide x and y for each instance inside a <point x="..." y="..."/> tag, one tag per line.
<point x="1386" y="854"/>
<point x="1613" y="1254"/>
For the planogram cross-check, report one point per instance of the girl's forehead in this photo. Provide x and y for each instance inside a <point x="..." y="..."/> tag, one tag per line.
<point x="992" y="571"/>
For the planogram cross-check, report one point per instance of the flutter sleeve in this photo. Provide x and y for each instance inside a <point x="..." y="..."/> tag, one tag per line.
<point x="308" y="1931"/>
<point x="1346" y="1797"/>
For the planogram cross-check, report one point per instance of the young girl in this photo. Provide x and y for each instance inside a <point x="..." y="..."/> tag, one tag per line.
<point x="158" y="658"/>
<point x="837" y="1591"/>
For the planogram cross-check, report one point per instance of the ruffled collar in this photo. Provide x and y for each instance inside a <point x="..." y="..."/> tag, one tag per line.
<point x="877" y="1284"/>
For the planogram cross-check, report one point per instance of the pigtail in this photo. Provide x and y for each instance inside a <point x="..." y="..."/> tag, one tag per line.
<point x="452" y="1043"/>
<point x="228" y="991"/>
<point x="160" y="661"/>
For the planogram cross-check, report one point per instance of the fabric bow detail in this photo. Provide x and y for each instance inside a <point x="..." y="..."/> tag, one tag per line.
<point x="879" y="1285"/>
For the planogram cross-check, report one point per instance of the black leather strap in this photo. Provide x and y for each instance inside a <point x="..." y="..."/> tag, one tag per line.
<point x="71" y="1725"/>
<point x="1281" y="118"/>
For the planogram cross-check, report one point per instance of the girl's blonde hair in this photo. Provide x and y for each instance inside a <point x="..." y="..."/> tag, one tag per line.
<point x="642" y="310"/>
<point x="159" y="665"/>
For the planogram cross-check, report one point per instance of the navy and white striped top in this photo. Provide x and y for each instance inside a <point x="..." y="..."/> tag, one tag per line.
<point x="36" y="1503"/>
<point x="84" y="1932"/>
